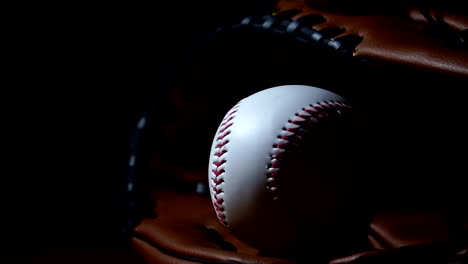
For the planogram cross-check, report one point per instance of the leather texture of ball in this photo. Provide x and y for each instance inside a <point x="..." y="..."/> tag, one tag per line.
<point x="280" y="166"/>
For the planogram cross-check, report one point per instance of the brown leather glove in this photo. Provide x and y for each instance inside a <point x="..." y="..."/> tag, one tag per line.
<point x="404" y="64"/>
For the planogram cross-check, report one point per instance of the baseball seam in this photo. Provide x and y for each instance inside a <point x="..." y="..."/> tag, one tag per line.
<point x="293" y="132"/>
<point x="217" y="173"/>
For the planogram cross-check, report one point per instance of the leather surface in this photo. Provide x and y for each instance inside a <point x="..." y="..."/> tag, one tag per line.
<point x="152" y="254"/>
<point x="186" y="228"/>
<point x="399" y="228"/>
<point x="407" y="75"/>
<point x="392" y="39"/>
<point x="247" y="148"/>
<point x="428" y="254"/>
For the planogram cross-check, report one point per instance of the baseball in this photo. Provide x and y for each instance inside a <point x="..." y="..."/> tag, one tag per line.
<point x="279" y="167"/>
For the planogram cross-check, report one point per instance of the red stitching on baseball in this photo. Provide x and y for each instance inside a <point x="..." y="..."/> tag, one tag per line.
<point x="217" y="173"/>
<point x="293" y="132"/>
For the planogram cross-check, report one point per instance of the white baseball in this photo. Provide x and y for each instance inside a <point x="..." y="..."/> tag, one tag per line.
<point x="276" y="167"/>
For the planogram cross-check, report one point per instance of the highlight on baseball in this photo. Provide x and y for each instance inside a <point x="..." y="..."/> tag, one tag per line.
<point x="280" y="166"/>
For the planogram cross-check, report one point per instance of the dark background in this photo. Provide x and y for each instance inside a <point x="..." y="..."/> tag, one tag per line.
<point x="77" y="76"/>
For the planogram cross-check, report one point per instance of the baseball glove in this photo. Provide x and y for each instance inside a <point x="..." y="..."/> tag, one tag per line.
<point x="403" y="64"/>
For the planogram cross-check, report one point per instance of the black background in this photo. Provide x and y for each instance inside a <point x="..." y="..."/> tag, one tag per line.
<point x="77" y="76"/>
